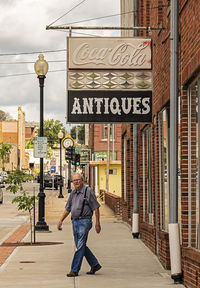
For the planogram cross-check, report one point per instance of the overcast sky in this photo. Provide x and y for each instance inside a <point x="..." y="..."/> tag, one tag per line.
<point x="23" y="30"/>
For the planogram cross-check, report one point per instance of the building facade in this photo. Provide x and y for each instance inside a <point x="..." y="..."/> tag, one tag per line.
<point x="153" y="139"/>
<point x="101" y="176"/>
<point x="13" y="132"/>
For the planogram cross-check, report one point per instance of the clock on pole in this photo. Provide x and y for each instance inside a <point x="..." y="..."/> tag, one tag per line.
<point x="67" y="142"/>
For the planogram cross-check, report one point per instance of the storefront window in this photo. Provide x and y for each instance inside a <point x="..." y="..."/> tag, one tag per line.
<point x="163" y="168"/>
<point x="125" y="163"/>
<point x="105" y="131"/>
<point x="147" y="175"/>
<point x="193" y="165"/>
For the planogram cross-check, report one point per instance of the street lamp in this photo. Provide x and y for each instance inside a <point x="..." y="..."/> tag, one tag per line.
<point x="41" y="69"/>
<point x="60" y="136"/>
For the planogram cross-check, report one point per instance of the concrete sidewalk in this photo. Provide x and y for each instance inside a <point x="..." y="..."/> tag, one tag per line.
<point x="126" y="262"/>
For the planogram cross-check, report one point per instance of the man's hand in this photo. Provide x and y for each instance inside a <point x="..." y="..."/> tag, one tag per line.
<point x="98" y="228"/>
<point x="59" y="225"/>
<point x="65" y="214"/>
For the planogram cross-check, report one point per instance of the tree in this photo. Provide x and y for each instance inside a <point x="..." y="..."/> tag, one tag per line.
<point x="51" y="129"/>
<point x="24" y="201"/>
<point x="5" y="149"/>
<point x="73" y="132"/>
<point x="4" y="116"/>
<point x="80" y="132"/>
<point x="29" y="144"/>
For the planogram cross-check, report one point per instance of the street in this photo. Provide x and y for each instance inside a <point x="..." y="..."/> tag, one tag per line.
<point x="11" y="218"/>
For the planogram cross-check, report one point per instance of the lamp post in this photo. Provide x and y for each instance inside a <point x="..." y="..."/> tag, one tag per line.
<point x="60" y="136"/>
<point x="41" y="69"/>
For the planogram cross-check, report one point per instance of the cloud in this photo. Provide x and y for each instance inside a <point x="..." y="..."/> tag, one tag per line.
<point x="23" y="29"/>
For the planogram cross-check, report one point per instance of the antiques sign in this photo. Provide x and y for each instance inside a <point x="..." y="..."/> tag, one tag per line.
<point x="109" y="80"/>
<point x="109" y="106"/>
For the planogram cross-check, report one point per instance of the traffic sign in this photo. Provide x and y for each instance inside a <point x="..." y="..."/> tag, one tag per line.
<point x="40" y="147"/>
<point x="84" y="154"/>
<point x="53" y="169"/>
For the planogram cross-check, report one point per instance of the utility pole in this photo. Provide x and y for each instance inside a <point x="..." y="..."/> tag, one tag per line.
<point x="135" y="216"/>
<point x="174" y="235"/>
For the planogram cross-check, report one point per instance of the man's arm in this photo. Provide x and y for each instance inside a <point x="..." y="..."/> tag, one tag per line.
<point x="64" y="215"/>
<point x="97" y="215"/>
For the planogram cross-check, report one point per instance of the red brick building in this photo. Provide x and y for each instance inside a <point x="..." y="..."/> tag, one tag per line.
<point x="100" y="141"/>
<point x="99" y="147"/>
<point x="153" y="140"/>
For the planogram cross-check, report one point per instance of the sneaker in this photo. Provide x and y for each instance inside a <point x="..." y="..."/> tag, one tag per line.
<point x="94" y="269"/>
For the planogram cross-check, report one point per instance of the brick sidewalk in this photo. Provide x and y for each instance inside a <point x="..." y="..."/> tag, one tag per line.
<point x="17" y="236"/>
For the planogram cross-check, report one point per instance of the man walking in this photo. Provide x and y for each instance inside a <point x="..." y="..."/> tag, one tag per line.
<point x="81" y="204"/>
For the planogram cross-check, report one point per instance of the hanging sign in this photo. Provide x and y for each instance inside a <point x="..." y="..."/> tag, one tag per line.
<point x="109" y="53"/>
<point x="109" y="106"/>
<point x="109" y="80"/>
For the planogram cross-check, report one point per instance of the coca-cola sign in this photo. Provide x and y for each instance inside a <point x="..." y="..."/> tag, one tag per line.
<point x="109" y="53"/>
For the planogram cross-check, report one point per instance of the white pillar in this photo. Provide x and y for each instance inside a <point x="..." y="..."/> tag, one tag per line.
<point x="96" y="181"/>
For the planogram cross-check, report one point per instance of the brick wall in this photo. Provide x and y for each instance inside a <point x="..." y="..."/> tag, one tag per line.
<point x="127" y="201"/>
<point x="189" y="40"/>
<point x="114" y="203"/>
<point x="101" y="144"/>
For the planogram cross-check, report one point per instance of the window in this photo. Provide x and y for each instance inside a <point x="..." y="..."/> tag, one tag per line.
<point x="147" y="173"/>
<point x="105" y="131"/>
<point x="125" y="170"/>
<point x="160" y="11"/>
<point x="193" y="164"/>
<point x="163" y="168"/>
<point x="112" y="171"/>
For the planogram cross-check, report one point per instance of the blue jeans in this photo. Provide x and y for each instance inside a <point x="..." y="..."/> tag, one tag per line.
<point x="81" y="228"/>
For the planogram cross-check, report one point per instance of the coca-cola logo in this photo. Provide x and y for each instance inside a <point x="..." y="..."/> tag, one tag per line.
<point x="122" y="54"/>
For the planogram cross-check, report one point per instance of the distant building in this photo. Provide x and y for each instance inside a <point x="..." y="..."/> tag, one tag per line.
<point x="98" y="165"/>
<point x="30" y="130"/>
<point x="13" y="132"/>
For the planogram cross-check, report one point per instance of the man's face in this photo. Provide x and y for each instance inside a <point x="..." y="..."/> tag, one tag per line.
<point x="78" y="182"/>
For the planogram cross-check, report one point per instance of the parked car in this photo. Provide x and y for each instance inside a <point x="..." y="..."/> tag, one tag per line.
<point x="1" y="179"/>
<point x="4" y="174"/>
<point x="59" y="179"/>
<point x="1" y="193"/>
<point x="50" y="181"/>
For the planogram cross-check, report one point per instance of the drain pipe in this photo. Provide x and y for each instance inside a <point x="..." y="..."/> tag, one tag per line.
<point x="135" y="216"/>
<point x="135" y="219"/>
<point x="174" y="235"/>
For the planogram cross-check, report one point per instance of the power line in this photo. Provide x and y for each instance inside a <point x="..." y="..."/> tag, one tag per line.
<point x="97" y="18"/>
<point x="64" y="50"/>
<point x="31" y="73"/>
<point x="108" y="16"/>
<point x="31" y="62"/>
<point x="67" y="12"/>
<point x="29" y="53"/>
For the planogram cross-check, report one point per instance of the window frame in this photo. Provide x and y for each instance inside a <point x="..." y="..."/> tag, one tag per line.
<point x="164" y="165"/>
<point x="147" y="174"/>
